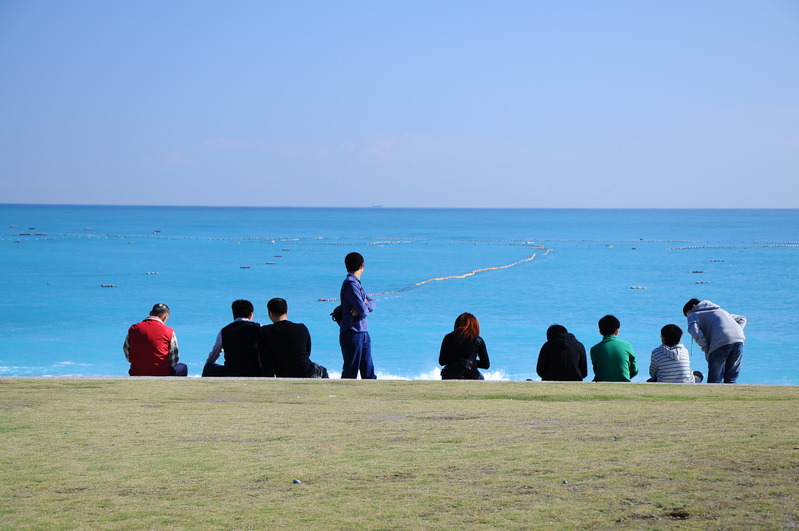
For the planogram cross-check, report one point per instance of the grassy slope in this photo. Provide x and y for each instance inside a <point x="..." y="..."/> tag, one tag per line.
<point x="143" y="453"/>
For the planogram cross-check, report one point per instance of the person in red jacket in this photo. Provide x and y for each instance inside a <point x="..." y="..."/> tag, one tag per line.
<point x="152" y="348"/>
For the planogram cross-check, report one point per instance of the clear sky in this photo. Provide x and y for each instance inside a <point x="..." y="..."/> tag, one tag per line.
<point x="410" y="103"/>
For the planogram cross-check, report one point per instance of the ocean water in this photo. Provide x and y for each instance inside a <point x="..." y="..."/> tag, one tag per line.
<point x="532" y="268"/>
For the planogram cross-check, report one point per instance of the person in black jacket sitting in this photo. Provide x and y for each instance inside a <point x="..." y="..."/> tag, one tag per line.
<point x="238" y="341"/>
<point x="463" y="351"/>
<point x="285" y="347"/>
<point x="562" y="357"/>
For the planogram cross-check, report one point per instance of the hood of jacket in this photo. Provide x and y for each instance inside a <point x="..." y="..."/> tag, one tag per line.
<point x="561" y="339"/>
<point x="705" y="306"/>
<point x="673" y="353"/>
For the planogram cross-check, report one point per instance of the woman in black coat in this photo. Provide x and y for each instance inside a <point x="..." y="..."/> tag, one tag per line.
<point x="463" y="351"/>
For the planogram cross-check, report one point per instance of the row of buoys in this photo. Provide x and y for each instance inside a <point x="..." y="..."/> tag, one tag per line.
<point x="151" y="273"/>
<point x="107" y="285"/>
<point x="638" y="287"/>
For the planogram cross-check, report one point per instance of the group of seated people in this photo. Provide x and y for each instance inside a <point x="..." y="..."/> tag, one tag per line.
<point x="281" y="349"/>
<point x="562" y="358"/>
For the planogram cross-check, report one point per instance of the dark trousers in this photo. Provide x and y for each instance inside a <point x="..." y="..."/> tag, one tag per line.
<point x="725" y="363"/>
<point x="356" y="348"/>
<point x="180" y="369"/>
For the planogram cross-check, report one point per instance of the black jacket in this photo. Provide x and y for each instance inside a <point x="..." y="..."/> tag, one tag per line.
<point x="562" y="358"/>
<point x="461" y="358"/>
<point x="285" y="350"/>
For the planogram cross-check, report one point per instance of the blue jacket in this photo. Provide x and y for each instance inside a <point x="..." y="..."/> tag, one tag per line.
<point x="353" y="296"/>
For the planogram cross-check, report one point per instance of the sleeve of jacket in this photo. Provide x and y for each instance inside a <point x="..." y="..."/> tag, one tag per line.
<point x="482" y="354"/>
<point x="265" y="354"/>
<point x="583" y="362"/>
<point x="653" y="366"/>
<point x="696" y="332"/>
<point x="633" y="364"/>
<point x="740" y="319"/>
<point x="541" y="366"/>
<point x="364" y="306"/>
<point x="442" y="353"/>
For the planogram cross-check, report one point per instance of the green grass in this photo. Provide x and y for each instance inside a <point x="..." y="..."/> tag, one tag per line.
<point x="221" y="454"/>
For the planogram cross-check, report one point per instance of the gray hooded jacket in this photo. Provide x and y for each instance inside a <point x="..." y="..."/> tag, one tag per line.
<point x="712" y="328"/>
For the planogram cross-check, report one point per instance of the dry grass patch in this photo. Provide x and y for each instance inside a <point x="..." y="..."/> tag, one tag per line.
<point x="144" y="453"/>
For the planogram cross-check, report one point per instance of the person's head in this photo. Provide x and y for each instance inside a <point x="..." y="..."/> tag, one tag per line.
<point x="353" y="262"/>
<point x="689" y="306"/>
<point x="670" y="335"/>
<point x="161" y="311"/>
<point x="277" y="308"/>
<point x="609" y="325"/>
<point x="555" y="331"/>
<point x="467" y="326"/>
<point x="242" y="308"/>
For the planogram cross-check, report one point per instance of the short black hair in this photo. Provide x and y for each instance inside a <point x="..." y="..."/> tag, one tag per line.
<point x="160" y="310"/>
<point x="241" y="308"/>
<point x="689" y="306"/>
<point x="608" y="325"/>
<point x="555" y="331"/>
<point x="353" y="262"/>
<point x="277" y="307"/>
<point x="671" y="334"/>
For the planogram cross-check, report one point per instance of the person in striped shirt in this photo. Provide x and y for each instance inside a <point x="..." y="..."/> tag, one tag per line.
<point x="671" y="362"/>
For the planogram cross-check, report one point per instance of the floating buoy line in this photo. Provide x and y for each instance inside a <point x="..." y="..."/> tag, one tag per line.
<point x="438" y="279"/>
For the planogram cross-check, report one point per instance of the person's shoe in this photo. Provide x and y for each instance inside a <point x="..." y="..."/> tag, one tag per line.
<point x="698" y="377"/>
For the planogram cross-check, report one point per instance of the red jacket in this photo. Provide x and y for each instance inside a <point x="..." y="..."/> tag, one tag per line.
<point x="149" y="344"/>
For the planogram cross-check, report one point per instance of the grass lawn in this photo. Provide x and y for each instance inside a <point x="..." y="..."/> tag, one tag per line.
<point x="225" y="453"/>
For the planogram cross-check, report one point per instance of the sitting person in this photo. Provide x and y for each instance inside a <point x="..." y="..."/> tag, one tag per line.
<point x="562" y="357"/>
<point x="239" y="343"/>
<point x="285" y="347"/>
<point x="671" y="362"/>
<point x="463" y="351"/>
<point x="151" y="346"/>
<point x="612" y="358"/>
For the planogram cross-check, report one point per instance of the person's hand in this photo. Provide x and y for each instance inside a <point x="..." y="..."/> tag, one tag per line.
<point x="354" y="312"/>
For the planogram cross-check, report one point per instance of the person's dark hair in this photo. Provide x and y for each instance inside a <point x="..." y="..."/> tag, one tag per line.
<point x="160" y="310"/>
<point x="277" y="306"/>
<point x="689" y="306"/>
<point x="671" y="334"/>
<point x="241" y="308"/>
<point x="353" y="261"/>
<point x="608" y="325"/>
<point x="467" y="326"/>
<point x="555" y="331"/>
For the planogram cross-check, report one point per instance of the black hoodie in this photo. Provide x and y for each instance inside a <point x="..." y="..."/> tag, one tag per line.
<point x="562" y="358"/>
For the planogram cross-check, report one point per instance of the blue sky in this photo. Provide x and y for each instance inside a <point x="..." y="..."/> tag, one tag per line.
<point x="581" y="104"/>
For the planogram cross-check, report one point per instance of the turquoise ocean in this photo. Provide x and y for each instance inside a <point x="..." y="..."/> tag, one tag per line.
<point x="74" y="278"/>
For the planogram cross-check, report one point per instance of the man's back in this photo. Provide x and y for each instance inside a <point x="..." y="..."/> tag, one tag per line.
<point x="285" y="347"/>
<point x="148" y="348"/>
<point x="240" y="343"/>
<point x="613" y="360"/>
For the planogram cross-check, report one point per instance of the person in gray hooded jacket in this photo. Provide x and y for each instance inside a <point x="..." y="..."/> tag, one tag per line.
<point x="721" y="336"/>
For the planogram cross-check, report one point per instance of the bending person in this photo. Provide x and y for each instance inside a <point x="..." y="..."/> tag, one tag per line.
<point x="463" y="351"/>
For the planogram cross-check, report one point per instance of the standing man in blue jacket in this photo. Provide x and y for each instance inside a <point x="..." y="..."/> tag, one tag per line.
<point x="356" y="345"/>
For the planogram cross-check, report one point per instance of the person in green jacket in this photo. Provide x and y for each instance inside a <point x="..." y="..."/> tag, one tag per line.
<point x="612" y="358"/>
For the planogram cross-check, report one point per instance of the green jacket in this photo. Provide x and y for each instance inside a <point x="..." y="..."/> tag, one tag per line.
<point x="613" y="360"/>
